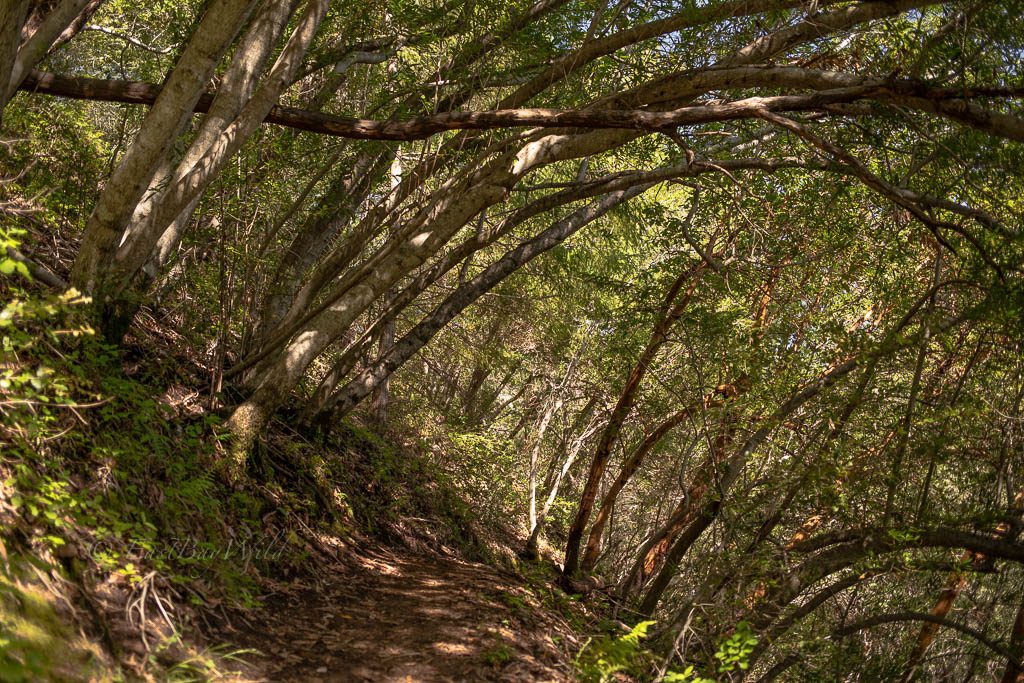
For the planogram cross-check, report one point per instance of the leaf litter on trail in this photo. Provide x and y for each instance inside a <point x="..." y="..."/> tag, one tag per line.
<point x="391" y="617"/>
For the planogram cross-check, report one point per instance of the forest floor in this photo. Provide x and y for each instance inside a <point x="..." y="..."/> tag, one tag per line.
<point x="113" y="523"/>
<point x="394" y="615"/>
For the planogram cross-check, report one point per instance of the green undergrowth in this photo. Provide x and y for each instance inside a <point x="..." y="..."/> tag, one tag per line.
<point x="355" y="480"/>
<point x="392" y="493"/>
<point x="93" y="460"/>
<point x="620" y="656"/>
<point x="104" y="489"/>
<point x="37" y="642"/>
<point x="106" y="479"/>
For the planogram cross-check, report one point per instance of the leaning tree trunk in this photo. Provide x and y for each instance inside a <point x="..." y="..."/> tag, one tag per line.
<point x="556" y="475"/>
<point x="348" y="190"/>
<point x="235" y="90"/>
<point x="164" y="122"/>
<point x="324" y="323"/>
<point x="12" y="18"/>
<point x="191" y="180"/>
<point x="672" y="310"/>
<point x="709" y="512"/>
<point x="17" y="57"/>
<point x="655" y="554"/>
<point x="359" y="387"/>
<point x="636" y="459"/>
<point x="555" y="400"/>
<point x="947" y="596"/>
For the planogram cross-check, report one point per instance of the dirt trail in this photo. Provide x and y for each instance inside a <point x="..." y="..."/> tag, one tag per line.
<point x="403" y="618"/>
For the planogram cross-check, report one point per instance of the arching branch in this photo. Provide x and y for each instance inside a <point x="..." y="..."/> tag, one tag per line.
<point x="422" y="127"/>
<point x="895" y="617"/>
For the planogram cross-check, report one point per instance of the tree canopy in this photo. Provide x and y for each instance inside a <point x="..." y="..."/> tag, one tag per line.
<point x="720" y="302"/>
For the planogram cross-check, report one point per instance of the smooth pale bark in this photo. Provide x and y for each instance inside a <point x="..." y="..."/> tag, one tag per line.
<point x="317" y="405"/>
<point x="562" y="67"/>
<point x="808" y="30"/>
<point x="381" y="394"/>
<point x="353" y="392"/>
<point x="584" y="145"/>
<point x="22" y="47"/>
<point x="427" y="277"/>
<point x="348" y="359"/>
<point x="556" y="475"/>
<point x="761" y="49"/>
<point x="342" y="266"/>
<point x="348" y="191"/>
<point x="159" y="220"/>
<point x="555" y="400"/>
<point x="675" y="304"/>
<point x="344" y="255"/>
<point x="12" y="18"/>
<point x="439" y="222"/>
<point x="554" y="403"/>
<point x="168" y="116"/>
<point x="235" y="89"/>
<point x="222" y="143"/>
<point x="32" y="51"/>
<point x="77" y="24"/>
<point x="272" y="382"/>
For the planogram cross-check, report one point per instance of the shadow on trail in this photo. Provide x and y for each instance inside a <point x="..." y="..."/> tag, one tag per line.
<point x="404" y="618"/>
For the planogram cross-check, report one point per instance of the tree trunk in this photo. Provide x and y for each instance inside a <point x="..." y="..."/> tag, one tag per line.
<point x="353" y="392"/>
<point x="657" y="552"/>
<point x="553" y="484"/>
<point x="554" y="402"/>
<point x="20" y="52"/>
<point x="348" y="190"/>
<point x="326" y="322"/>
<point x="193" y="176"/>
<point x="671" y="312"/>
<point x="1013" y="673"/>
<point x="956" y="583"/>
<point x="32" y="51"/>
<point x="379" y="404"/>
<point x="12" y="18"/>
<point x="235" y="89"/>
<point x="161" y="127"/>
<point x="634" y="461"/>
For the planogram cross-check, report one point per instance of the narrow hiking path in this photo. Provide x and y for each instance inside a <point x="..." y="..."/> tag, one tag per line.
<point x="391" y="616"/>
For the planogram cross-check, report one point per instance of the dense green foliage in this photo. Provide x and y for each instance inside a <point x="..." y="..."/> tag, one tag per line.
<point x="742" y="352"/>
